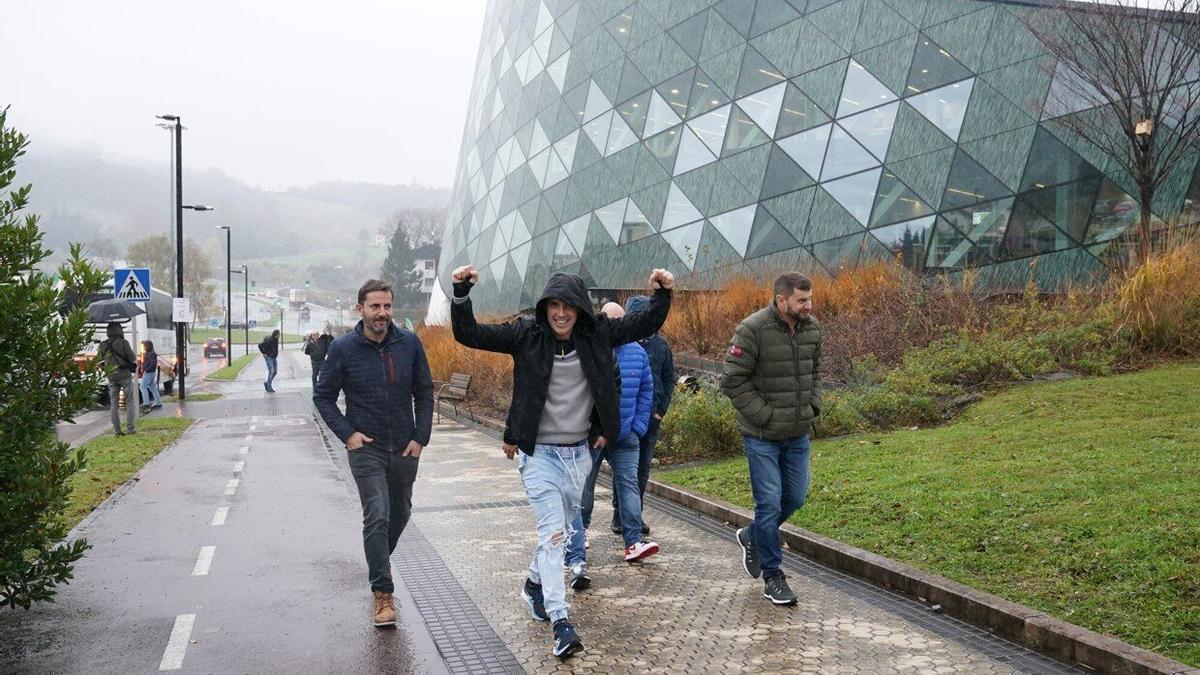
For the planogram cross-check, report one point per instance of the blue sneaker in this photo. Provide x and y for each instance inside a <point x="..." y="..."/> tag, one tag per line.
<point x="566" y="640"/>
<point x="537" y="603"/>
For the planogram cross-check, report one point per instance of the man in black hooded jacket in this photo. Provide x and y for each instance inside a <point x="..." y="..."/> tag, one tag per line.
<point x="564" y="398"/>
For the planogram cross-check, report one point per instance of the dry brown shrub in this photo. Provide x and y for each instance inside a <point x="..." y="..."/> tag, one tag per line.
<point x="702" y="322"/>
<point x="491" y="373"/>
<point x="1160" y="299"/>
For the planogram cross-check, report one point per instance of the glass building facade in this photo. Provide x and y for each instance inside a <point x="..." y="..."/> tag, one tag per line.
<point x="607" y="138"/>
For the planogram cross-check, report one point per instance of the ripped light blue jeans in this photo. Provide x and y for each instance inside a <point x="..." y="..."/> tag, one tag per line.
<point x="553" y="478"/>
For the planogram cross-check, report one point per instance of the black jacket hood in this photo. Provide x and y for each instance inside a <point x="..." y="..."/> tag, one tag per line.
<point x="570" y="289"/>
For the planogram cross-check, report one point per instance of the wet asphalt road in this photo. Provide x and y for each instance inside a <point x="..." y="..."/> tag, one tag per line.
<point x="285" y="589"/>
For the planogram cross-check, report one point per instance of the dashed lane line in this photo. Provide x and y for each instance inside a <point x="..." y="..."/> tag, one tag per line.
<point x="204" y="561"/>
<point x="231" y="487"/>
<point x="177" y="645"/>
<point x="220" y="516"/>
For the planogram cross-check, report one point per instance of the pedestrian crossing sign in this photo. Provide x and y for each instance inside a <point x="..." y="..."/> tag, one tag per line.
<point x="132" y="283"/>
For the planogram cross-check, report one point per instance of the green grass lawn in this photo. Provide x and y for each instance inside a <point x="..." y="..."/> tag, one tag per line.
<point x="230" y="372"/>
<point x="112" y="460"/>
<point x="195" y="398"/>
<point x="1078" y="498"/>
<point x="199" y="335"/>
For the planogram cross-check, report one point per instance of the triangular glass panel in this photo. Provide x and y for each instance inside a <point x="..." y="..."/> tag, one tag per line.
<point x="538" y="140"/>
<point x="664" y="147"/>
<point x="768" y="236"/>
<point x="933" y="67"/>
<point x="544" y="19"/>
<point x="565" y="147"/>
<point x="862" y="91"/>
<point x="620" y="136"/>
<point x="845" y="156"/>
<point x="1029" y="233"/>
<point x="693" y="153"/>
<point x="839" y="255"/>
<point x="706" y="95"/>
<point x="520" y="259"/>
<point x="635" y="225"/>
<point x="743" y="134"/>
<point x="739" y="14"/>
<point x="798" y="113"/>
<point x="677" y="91"/>
<point x="621" y="26"/>
<point x="1115" y="214"/>
<point x="895" y="202"/>
<point x="763" y="107"/>
<point x="984" y="224"/>
<point x="564" y="252"/>
<point x="807" y="148"/>
<point x="1067" y="206"/>
<point x="685" y="241"/>
<point x="969" y="183"/>
<point x="597" y="103"/>
<point x="576" y="231"/>
<point x="597" y="131"/>
<point x="710" y="128"/>
<point x="537" y="166"/>
<point x="1051" y="162"/>
<point x="907" y="241"/>
<point x="783" y="175"/>
<point x="949" y="249"/>
<point x="632" y="81"/>
<point x="771" y="14"/>
<point x="757" y="73"/>
<point x="873" y="128"/>
<point x="555" y="170"/>
<point x="499" y="247"/>
<point x="660" y="116"/>
<point x="558" y="71"/>
<point x="735" y="227"/>
<point x="856" y="193"/>
<point x="690" y="34"/>
<point x="611" y="217"/>
<point x="634" y="112"/>
<point x="945" y="107"/>
<point x="679" y="209"/>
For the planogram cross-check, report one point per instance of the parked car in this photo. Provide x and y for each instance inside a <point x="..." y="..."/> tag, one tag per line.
<point x="214" y="347"/>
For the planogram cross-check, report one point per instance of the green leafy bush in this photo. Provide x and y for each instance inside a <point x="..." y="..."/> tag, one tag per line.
<point x="700" y="424"/>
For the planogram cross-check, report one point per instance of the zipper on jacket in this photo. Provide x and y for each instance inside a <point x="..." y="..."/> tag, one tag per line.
<point x="796" y="371"/>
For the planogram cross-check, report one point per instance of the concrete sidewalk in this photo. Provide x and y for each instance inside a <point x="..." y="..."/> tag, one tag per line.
<point x="690" y="609"/>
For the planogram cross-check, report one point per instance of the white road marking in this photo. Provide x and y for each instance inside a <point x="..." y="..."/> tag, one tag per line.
<point x="177" y="646"/>
<point x="238" y="466"/>
<point x="249" y="438"/>
<point x="204" y="561"/>
<point x="231" y="486"/>
<point x="220" y="515"/>
<point x="254" y="419"/>
<point x="253" y="427"/>
<point x="245" y="449"/>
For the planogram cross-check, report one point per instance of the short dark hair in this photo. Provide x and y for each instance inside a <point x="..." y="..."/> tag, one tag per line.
<point x="788" y="282"/>
<point x="372" y="286"/>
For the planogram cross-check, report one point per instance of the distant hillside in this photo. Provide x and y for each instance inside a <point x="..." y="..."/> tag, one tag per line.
<point x="82" y="195"/>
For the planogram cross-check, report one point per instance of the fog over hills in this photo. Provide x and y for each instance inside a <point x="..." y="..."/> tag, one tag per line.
<point x="84" y="195"/>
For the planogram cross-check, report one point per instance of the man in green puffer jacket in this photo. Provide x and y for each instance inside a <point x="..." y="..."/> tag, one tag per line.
<point x="771" y="376"/>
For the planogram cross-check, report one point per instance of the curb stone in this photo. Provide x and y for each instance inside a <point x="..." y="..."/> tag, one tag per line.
<point x="1024" y="625"/>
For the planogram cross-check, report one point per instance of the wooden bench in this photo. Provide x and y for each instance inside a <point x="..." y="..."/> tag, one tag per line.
<point x="453" y="392"/>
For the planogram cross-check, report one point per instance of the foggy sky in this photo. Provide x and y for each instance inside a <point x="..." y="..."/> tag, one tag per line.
<point x="276" y="93"/>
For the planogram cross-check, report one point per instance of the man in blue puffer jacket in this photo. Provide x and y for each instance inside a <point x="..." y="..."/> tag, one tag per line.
<point x="637" y="401"/>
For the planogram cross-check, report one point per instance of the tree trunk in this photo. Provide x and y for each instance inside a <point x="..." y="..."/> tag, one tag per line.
<point x="1143" y="228"/>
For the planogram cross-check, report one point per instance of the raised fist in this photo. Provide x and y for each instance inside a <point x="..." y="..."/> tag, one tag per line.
<point x="465" y="273"/>
<point x="661" y="279"/>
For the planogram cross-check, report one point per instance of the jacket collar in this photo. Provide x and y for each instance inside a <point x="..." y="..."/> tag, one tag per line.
<point x="779" y="318"/>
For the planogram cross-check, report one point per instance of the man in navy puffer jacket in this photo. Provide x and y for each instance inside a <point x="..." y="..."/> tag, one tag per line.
<point x="637" y="402"/>
<point x="389" y="417"/>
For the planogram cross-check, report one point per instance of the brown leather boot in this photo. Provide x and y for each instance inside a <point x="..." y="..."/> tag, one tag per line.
<point x="385" y="609"/>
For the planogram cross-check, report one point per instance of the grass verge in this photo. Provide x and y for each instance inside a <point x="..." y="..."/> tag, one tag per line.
<point x="195" y="398"/>
<point x="230" y="372"/>
<point x="199" y="335"/>
<point x="112" y="460"/>
<point x="1077" y="498"/>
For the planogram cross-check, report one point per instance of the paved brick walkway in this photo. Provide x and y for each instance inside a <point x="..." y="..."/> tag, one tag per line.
<point x="690" y="609"/>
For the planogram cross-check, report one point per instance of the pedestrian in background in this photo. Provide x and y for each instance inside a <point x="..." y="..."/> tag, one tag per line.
<point x="564" y="403"/>
<point x="770" y="374"/>
<point x="120" y="363"/>
<point x="316" y="346"/>
<point x="269" y="348"/>
<point x="148" y="376"/>
<point x="662" y="367"/>
<point x="388" y="420"/>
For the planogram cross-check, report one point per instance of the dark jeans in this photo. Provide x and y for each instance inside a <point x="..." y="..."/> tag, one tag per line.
<point x="272" y="369"/>
<point x="385" y="481"/>
<point x="646" y="454"/>
<point x="316" y="370"/>
<point x="779" y="481"/>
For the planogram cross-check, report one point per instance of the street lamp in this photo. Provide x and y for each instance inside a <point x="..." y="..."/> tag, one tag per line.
<point x="180" y="332"/>
<point x="246" y="280"/>
<point x="228" y="297"/>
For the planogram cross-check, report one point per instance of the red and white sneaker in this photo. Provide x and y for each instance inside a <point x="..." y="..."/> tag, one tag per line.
<point x="640" y="551"/>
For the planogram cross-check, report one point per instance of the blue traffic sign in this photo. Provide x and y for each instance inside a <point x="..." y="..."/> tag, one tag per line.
<point x="253" y="323"/>
<point x="214" y="323"/>
<point x="132" y="283"/>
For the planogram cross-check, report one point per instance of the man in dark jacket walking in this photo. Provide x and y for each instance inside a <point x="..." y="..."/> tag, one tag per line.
<point x="662" y="367"/>
<point x="564" y="395"/>
<point x="120" y="363"/>
<point x="270" y="351"/>
<point x="389" y="417"/>
<point x="770" y="374"/>
<point x="316" y="346"/>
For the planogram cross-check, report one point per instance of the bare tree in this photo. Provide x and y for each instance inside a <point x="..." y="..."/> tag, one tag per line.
<point x="1127" y="81"/>
<point x="423" y="225"/>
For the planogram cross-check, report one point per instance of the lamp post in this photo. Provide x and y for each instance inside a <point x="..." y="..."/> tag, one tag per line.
<point x="180" y="327"/>
<point x="246" y="280"/>
<point x="228" y="297"/>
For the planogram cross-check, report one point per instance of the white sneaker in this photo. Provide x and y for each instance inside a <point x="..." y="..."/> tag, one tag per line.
<point x="640" y="551"/>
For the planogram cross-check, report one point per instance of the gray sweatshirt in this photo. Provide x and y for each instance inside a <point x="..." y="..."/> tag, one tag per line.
<point x="567" y="415"/>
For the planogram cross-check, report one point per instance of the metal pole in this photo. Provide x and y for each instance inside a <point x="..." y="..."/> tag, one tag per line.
<point x="246" y="280"/>
<point x="180" y="343"/>
<point x="228" y="300"/>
